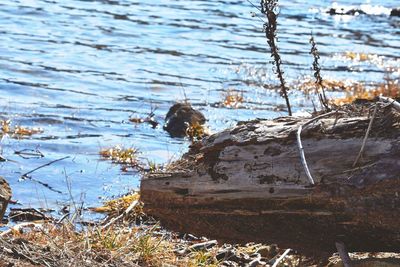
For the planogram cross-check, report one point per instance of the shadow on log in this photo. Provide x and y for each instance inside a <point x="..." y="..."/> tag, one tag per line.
<point x="247" y="183"/>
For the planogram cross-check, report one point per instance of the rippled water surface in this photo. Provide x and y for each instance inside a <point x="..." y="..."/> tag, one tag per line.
<point x="80" y="69"/>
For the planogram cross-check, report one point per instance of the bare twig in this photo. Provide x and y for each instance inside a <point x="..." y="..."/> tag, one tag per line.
<point x="62" y="218"/>
<point x="202" y="246"/>
<point x="366" y="136"/>
<point x="251" y="3"/>
<point x="300" y="145"/>
<point x="126" y="212"/>
<point x="344" y="255"/>
<point x="25" y="175"/>
<point x="281" y="257"/>
<point x="28" y="153"/>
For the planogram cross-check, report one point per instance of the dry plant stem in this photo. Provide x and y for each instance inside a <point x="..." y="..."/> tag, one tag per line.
<point x="344" y="255"/>
<point x="267" y="8"/>
<point x="366" y="136"/>
<point x="317" y="74"/>
<point x="300" y="145"/>
<point x="281" y="257"/>
<point x="126" y="212"/>
<point x="394" y="103"/>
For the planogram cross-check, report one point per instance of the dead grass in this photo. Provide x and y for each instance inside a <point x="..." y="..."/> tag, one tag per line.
<point x="17" y="131"/>
<point x="233" y="99"/>
<point x="362" y="57"/>
<point x="307" y="85"/>
<point x="119" y="155"/>
<point x="390" y="87"/>
<point x="64" y="245"/>
<point x="196" y="131"/>
<point x="117" y="206"/>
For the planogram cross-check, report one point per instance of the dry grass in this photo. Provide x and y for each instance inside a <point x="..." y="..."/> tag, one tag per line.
<point x="196" y="131"/>
<point x="64" y="245"/>
<point x="362" y="57"/>
<point x="120" y="155"/>
<point x="390" y="88"/>
<point x="17" y="131"/>
<point x="232" y="99"/>
<point x="307" y="85"/>
<point x="117" y="206"/>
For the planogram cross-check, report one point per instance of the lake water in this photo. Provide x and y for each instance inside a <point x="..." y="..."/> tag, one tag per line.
<point x="80" y="69"/>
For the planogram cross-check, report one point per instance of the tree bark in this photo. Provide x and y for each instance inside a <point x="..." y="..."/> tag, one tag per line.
<point x="247" y="183"/>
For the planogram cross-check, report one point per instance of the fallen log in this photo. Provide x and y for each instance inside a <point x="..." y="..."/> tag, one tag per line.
<point x="247" y="183"/>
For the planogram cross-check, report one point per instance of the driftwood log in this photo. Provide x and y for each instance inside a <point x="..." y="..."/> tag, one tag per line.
<point x="247" y="183"/>
<point x="5" y="196"/>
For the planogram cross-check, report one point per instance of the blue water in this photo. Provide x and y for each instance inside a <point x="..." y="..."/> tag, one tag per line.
<point x="79" y="69"/>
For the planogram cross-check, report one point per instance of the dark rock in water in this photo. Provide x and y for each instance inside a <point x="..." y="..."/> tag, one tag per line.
<point x="179" y="117"/>
<point x="342" y="11"/>
<point x="5" y="196"/>
<point x="395" y="12"/>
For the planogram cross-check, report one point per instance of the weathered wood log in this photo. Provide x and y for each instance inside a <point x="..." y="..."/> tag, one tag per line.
<point x="5" y="196"/>
<point x="247" y="183"/>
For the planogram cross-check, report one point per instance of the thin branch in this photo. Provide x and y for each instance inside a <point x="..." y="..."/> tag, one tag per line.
<point x="281" y="257"/>
<point x="300" y="145"/>
<point x="251" y="3"/>
<point x="27" y="153"/>
<point x="25" y="175"/>
<point x="366" y="136"/>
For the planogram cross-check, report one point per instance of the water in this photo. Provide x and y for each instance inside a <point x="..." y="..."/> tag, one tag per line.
<point x="79" y="69"/>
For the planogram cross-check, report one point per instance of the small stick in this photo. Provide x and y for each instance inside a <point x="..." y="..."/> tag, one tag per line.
<point x="202" y="246"/>
<point x="26" y="153"/>
<point x="344" y="255"/>
<point x="365" y="137"/>
<point x="281" y="258"/>
<point x="25" y="175"/>
<point x="300" y="145"/>
<point x="62" y="218"/>
<point x="112" y="221"/>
